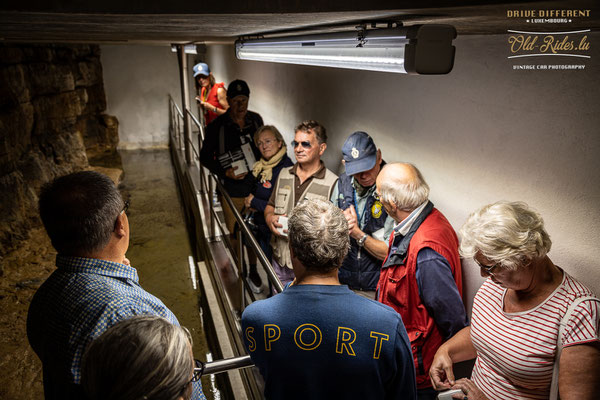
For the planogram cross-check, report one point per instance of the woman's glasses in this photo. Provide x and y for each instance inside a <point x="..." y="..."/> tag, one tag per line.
<point x="198" y="370"/>
<point x="488" y="268"/>
<point x="305" y="144"/>
<point x="265" y="142"/>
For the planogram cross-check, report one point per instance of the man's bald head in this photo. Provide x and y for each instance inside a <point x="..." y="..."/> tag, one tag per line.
<point x="402" y="185"/>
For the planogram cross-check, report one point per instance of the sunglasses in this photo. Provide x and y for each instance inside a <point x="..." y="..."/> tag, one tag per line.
<point x="305" y="144"/>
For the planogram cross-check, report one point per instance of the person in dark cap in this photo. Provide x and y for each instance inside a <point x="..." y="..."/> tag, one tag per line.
<point x="228" y="151"/>
<point x="212" y="98"/>
<point x="368" y="223"/>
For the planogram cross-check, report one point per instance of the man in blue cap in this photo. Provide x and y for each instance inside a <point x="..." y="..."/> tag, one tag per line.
<point x="368" y="223"/>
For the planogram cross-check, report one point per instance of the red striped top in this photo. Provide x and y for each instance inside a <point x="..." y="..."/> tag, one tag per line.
<point x="515" y="351"/>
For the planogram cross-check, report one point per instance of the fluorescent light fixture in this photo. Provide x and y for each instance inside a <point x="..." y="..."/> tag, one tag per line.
<point x="416" y="49"/>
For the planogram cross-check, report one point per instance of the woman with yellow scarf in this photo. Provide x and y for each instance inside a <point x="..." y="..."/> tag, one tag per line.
<point x="274" y="158"/>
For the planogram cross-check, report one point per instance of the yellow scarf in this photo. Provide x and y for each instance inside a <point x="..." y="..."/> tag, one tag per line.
<point x="265" y="168"/>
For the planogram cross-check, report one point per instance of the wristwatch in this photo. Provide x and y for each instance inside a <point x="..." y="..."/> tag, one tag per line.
<point x="362" y="240"/>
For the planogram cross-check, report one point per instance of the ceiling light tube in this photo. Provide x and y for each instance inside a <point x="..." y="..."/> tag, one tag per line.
<point x="416" y="49"/>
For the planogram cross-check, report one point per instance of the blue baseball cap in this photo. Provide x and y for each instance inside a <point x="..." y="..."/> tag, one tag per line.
<point x="359" y="153"/>
<point x="201" y="69"/>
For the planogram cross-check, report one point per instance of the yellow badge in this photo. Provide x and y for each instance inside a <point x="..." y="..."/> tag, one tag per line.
<point x="376" y="209"/>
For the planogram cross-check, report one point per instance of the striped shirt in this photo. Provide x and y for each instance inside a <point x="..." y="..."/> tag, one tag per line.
<point x="516" y="351"/>
<point x="77" y="303"/>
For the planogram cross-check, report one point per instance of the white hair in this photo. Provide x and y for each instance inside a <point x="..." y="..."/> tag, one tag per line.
<point x="406" y="196"/>
<point x="508" y="233"/>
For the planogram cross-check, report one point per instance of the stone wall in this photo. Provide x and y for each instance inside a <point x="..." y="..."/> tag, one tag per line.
<point x="51" y="123"/>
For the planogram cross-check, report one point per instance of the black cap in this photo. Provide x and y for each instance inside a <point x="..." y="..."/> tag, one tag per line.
<point x="238" y="88"/>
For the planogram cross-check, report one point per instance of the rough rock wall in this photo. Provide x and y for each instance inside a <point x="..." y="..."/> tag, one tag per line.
<point x="51" y="123"/>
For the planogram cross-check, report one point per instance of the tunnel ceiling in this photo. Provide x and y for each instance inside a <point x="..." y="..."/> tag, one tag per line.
<point x="184" y="21"/>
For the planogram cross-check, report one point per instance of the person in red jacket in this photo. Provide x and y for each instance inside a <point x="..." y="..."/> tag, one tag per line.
<point x="421" y="275"/>
<point x="213" y="96"/>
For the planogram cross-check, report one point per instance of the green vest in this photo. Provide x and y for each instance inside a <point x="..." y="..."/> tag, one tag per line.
<point x="284" y="203"/>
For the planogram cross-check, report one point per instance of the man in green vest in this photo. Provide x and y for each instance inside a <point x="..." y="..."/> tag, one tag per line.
<point x="309" y="179"/>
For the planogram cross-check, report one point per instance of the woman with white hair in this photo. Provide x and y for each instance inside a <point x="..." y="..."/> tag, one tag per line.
<point x="515" y="332"/>
<point x="143" y="357"/>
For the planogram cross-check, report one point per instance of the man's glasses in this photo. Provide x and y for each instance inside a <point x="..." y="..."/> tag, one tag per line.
<point x="123" y="210"/>
<point x="488" y="268"/>
<point x="125" y="207"/>
<point x="305" y="144"/>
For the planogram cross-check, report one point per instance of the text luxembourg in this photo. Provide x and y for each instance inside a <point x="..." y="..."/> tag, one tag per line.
<point x="309" y="337"/>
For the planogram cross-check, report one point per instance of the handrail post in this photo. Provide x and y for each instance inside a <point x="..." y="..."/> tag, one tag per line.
<point x="185" y="94"/>
<point x="244" y="270"/>
<point x="211" y="195"/>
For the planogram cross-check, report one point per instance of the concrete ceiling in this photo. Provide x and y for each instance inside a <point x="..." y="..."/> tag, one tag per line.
<point x="185" y="21"/>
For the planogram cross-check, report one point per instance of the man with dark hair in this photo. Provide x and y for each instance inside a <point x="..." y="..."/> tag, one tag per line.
<point x="228" y="151"/>
<point x="319" y="340"/>
<point x="369" y="225"/>
<point x="93" y="287"/>
<point x="308" y="178"/>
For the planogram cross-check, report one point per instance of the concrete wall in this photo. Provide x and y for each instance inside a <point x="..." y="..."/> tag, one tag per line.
<point x="137" y="81"/>
<point x="483" y="133"/>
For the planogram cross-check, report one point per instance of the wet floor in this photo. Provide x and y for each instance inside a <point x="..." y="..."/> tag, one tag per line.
<point x="159" y="245"/>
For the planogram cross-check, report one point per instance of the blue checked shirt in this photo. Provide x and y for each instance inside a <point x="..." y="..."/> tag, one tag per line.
<point x="77" y="303"/>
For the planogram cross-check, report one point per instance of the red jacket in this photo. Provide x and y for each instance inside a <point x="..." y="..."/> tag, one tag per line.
<point x="398" y="287"/>
<point x="212" y="99"/>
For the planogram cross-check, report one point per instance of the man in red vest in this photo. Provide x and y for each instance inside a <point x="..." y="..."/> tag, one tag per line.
<point x="421" y="275"/>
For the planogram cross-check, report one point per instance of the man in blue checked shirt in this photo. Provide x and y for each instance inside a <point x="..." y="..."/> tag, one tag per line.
<point x="94" y="286"/>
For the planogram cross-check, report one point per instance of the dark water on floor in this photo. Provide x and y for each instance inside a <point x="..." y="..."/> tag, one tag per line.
<point x="159" y="246"/>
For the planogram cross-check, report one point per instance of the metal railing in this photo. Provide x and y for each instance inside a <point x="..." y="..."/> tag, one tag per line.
<point x="211" y="188"/>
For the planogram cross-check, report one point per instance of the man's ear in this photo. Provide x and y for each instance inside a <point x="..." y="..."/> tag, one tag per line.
<point x="322" y="148"/>
<point x="120" y="226"/>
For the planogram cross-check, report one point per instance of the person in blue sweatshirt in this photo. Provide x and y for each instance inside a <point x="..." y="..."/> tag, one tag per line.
<point x="318" y="339"/>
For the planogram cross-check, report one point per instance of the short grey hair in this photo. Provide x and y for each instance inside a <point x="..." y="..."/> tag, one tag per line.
<point x="318" y="234"/>
<point x="508" y="233"/>
<point x="143" y="357"/>
<point x="406" y="196"/>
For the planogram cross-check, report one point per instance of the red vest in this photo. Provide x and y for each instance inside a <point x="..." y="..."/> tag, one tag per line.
<point x="213" y="100"/>
<point x="398" y="289"/>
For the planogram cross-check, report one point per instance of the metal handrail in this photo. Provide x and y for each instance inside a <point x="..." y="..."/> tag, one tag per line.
<point x="198" y="124"/>
<point x="227" y="364"/>
<point x="249" y="236"/>
<point x="266" y="264"/>
<point x="211" y="183"/>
